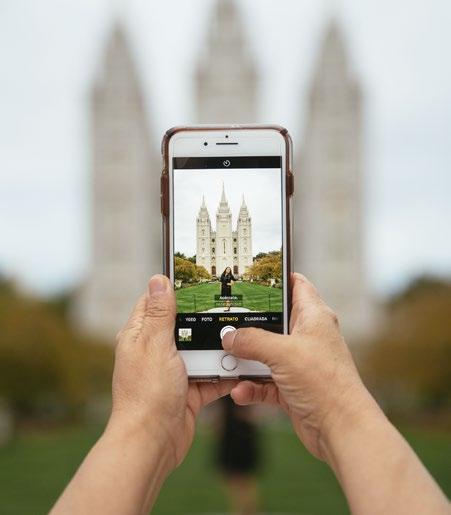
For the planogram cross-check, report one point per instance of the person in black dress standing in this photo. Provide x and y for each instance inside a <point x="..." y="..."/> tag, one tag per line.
<point x="238" y="456"/>
<point x="226" y="285"/>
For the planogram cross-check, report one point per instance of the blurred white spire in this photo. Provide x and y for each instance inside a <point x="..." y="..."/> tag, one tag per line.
<point x="118" y="8"/>
<point x="226" y="76"/>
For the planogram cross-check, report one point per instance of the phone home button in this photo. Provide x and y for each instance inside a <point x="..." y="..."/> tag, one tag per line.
<point x="229" y="362"/>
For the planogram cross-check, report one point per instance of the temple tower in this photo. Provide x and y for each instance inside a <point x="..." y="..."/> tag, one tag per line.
<point x="329" y="220"/>
<point x="125" y="243"/>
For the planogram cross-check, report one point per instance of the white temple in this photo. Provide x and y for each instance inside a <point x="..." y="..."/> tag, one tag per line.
<point x="223" y="247"/>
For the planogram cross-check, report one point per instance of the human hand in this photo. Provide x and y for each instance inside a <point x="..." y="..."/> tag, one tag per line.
<point x="150" y="384"/>
<point x="315" y="379"/>
<point x="154" y="409"/>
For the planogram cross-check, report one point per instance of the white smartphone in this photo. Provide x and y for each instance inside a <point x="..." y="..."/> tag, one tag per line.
<point x="226" y="203"/>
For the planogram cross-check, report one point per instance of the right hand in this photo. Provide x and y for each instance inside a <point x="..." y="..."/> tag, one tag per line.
<point x="314" y="377"/>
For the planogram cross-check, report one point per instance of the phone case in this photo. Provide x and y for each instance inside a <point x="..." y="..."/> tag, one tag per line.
<point x="288" y="196"/>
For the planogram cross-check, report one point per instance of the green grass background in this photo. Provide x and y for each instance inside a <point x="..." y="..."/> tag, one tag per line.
<point x="35" y="468"/>
<point x="256" y="297"/>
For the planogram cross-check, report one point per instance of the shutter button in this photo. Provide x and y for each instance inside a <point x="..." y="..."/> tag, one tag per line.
<point x="228" y="362"/>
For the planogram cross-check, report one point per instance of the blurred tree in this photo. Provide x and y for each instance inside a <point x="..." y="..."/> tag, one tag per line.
<point x="6" y="286"/>
<point x="45" y="367"/>
<point x="411" y="361"/>
<point x="201" y="273"/>
<point x="61" y="304"/>
<point x="269" y="266"/>
<point x="185" y="270"/>
<point x="271" y="253"/>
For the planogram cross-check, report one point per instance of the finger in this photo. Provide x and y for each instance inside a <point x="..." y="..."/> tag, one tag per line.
<point x="159" y="316"/>
<point x="304" y="296"/>
<point x="134" y="321"/>
<point x="257" y="344"/>
<point x="201" y="394"/>
<point x="303" y="290"/>
<point x="247" y="392"/>
<point x="210" y="392"/>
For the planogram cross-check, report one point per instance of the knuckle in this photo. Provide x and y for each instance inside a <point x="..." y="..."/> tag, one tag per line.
<point x="314" y="312"/>
<point x="129" y="332"/>
<point x="246" y="335"/>
<point x="133" y="324"/>
<point x="321" y="320"/>
<point x="266" y="390"/>
<point x="238" y="339"/>
<point x="331" y="315"/>
<point x="243" y="336"/>
<point x="321" y="310"/>
<point x="296" y="307"/>
<point x="157" y="309"/>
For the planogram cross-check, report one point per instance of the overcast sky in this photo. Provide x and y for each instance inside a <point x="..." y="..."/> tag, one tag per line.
<point x="262" y="194"/>
<point x="49" y="51"/>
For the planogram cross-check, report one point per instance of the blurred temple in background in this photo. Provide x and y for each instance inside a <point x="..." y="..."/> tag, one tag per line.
<point x="56" y="352"/>
<point x="125" y="210"/>
<point x="328" y="222"/>
<point x="226" y="75"/>
<point x="126" y="237"/>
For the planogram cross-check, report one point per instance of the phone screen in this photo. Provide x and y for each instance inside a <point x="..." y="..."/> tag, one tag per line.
<point x="227" y="246"/>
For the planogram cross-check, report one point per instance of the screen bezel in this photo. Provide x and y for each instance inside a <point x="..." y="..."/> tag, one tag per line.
<point x="233" y="143"/>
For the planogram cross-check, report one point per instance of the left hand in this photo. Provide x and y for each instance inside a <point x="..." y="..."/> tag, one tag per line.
<point x="150" y="383"/>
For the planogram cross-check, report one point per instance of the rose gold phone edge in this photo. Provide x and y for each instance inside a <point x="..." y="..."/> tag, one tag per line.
<point x="287" y="225"/>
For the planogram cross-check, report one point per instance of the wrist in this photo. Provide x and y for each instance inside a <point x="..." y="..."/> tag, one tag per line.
<point x="359" y="410"/>
<point x="148" y="436"/>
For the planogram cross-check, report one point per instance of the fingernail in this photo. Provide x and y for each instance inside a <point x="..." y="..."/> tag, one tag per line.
<point x="157" y="283"/>
<point x="227" y="339"/>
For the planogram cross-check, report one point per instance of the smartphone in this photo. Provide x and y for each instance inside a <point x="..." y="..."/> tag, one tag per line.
<point x="226" y="194"/>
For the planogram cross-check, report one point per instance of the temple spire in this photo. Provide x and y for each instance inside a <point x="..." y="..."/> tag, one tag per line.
<point x="223" y="207"/>
<point x="333" y="78"/>
<point x="244" y="212"/>
<point x="226" y="74"/>
<point x="117" y="72"/>
<point x="118" y="123"/>
<point x="203" y="211"/>
<point x="330" y="199"/>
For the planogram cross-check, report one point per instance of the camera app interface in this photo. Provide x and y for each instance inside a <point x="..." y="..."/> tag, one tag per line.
<point x="227" y="241"/>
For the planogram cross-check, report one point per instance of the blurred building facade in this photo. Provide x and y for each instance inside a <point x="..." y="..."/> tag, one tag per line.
<point x="124" y="200"/>
<point x="329" y="243"/>
<point x="226" y="79"/>
<point x="126" y="224"/>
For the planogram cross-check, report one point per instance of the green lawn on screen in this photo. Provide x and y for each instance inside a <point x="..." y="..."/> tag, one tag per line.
<point x="256" y="297"/>
<point x="35" y="468"/>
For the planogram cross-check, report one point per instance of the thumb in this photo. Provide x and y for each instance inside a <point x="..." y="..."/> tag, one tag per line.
<point x="159" y="314"/>
<point x="257" y="344"/>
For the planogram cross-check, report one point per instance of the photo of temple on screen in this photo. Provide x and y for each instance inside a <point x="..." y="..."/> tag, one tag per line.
<point x="228" y="251"/>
